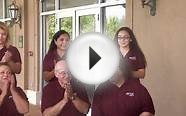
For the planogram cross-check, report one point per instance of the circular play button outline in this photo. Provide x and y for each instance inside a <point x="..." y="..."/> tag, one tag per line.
<point x="92" y="58"/>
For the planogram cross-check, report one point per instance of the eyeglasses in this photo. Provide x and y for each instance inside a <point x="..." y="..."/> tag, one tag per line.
<point x="62" y="72"/>
<point x="125" y="38"/>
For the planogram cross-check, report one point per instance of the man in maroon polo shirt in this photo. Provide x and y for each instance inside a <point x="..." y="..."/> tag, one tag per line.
<point x="64" y="96"/>
<point x="122" y="96"/>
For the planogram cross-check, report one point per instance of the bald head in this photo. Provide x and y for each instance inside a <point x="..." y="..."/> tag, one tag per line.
<point x="61" y="65"/>
<point x="61" y="70"/>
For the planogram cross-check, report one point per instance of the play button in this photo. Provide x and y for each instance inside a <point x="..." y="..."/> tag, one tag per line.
<point x="92" y="58"/>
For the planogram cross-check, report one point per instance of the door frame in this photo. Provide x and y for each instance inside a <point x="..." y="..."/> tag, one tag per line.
<point x="89" y="11"/>
<point x="63" y="14"/>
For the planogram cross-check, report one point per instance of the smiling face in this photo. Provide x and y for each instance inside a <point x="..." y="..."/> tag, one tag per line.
<point x="124" y="39"/>
<point x="61" y="72"/>
<point x="5" y="73"/>
<point x="62" y="42"/>
<point x="3" y="36"/>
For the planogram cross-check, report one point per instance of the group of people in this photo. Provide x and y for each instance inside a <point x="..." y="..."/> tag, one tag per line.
<point x="13" y="100"/>
<point x="121" y="95"/>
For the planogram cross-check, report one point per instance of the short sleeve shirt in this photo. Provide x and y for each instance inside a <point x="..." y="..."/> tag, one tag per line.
<point x="8" y="107"/>
<point x="131" y="99"/>
<point x="53" y="93"/>
<point x="50" y="60"/>
<point x="135" y="60"/>
<point x="15" y="53"/>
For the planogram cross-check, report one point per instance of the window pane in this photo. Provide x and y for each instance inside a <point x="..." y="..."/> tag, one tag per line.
<point x="113" y="21"/>
<point x="87" y="23"/>
<point x="66" y="24"/>
<point x="48" y="5"/>
<point x="74" y="3"/>
<point x="50" y="29"/>
<point x="1" y="9"/>
<point x="112" y="0"/>
<point x="7" y="2"/>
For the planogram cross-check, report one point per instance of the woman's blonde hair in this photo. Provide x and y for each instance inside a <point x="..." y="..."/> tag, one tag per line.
<point x="4" y="27"/>
<point x="6" y="64"/>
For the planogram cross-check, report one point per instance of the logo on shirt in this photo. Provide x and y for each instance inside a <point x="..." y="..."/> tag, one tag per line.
<point x="132" y="57"/>
<point x="10" y="97"/>
<point x="131" y="94"/>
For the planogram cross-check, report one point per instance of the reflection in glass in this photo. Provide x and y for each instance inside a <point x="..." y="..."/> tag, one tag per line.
<point x="50" y="28"/>
<point x="87" y="23"/>
<point x="7" y="2"/>
<point x="113" y="21"/>
<point x="48" y="5"/>
<point x="74" y="3"/>
<point x="66" y="24"/>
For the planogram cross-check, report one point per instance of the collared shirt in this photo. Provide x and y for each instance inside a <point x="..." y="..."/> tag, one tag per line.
<point x="8" y="108"/>
<point x="135" y="60"/>
<point x="49" y="61"/>
<point x="131" y="99"/>
<point x="53" y="93"/>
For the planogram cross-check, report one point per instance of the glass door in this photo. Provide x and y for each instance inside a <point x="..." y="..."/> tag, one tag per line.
<point x="87" y="20"/>
<point x="66" y="21"/>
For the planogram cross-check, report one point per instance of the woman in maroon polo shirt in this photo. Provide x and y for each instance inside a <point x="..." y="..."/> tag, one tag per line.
<point x="56" y="51"/>
<point x="64" y="96"/>
<point x="131" y="51"/>
<point x="122" y="96"/>
<point x="9" y="53"/>
<point x="13" y="101"/>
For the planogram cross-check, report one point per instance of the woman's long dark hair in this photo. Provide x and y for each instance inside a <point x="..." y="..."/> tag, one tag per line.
<point x="55" y="37"/>
<point x="133" y="45"/>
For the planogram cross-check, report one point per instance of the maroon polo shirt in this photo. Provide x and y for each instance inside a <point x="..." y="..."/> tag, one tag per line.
<point x="15" y="53"/>
<point x="131" y="99"/>
<point x="53" y="93"/>
<point x="50" y="60"/>
<point x="135" y="60"/>
<point x="8" y="107"/>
